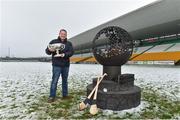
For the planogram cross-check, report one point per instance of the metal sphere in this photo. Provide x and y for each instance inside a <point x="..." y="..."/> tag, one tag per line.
<point x="112" y="46"/>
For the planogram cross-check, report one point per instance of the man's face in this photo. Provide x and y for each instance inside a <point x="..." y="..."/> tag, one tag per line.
<point x="63" y="35"/>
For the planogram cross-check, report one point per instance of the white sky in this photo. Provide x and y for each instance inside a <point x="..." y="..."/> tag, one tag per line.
<point x="27" y="26"/>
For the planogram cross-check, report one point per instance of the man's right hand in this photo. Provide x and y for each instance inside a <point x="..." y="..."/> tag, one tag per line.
<point x="51" y="50"/>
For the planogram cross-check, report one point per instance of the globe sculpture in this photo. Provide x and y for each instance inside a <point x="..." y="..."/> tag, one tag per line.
<point x="112" y="47"/>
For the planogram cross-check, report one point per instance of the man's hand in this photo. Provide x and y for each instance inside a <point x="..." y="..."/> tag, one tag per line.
<point x="51" y="50"/>
<point x="62" y="55"/>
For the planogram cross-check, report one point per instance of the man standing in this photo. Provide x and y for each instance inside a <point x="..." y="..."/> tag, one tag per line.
<point x="60" y="65"/>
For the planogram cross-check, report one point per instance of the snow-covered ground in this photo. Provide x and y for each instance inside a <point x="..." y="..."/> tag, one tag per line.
<point x="165" y="78"/>
<point x="22" y="83"/>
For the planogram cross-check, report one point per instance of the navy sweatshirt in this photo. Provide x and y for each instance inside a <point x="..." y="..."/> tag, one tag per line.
<point x="68" y="51"/>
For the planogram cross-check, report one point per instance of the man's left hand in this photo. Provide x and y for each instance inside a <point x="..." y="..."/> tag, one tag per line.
<point x="62" y="55"/>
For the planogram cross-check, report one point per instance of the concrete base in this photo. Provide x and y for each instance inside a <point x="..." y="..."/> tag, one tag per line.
<point x="117" y="96"/>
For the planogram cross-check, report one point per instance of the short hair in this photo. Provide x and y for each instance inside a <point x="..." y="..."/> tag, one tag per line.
<point x="63" y="30"/>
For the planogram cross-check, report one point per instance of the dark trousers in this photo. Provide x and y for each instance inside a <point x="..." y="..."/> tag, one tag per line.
<point x="57" y="71"/>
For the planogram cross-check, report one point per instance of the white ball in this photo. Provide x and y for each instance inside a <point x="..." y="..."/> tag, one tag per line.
<point x="105" y="89"/>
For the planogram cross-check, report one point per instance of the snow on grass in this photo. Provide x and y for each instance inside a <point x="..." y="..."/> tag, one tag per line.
<point x="21" y="84"/>
<point x="166" y="79"/>
<point x="24" y="89"/>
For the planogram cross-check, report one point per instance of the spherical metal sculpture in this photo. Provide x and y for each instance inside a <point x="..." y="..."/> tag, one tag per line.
<point x="112" y="46"/>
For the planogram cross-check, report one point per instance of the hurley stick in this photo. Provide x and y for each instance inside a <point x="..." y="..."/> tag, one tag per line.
<point x="83" y="104"/>
<point x="93" y="109"/>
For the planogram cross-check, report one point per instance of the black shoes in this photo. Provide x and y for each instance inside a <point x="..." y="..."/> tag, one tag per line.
<point x="51" y="99"/>
<point x="67" y="97"/>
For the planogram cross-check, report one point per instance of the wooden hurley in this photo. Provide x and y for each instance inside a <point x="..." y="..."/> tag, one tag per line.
<point x="83" y="104"/>
<point x="93" y="109"/>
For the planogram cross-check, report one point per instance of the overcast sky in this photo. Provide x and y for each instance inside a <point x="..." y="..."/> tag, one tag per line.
<point x="27" y="26"/>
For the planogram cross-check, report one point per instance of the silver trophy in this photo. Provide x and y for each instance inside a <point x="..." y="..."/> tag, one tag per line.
<point x="57" y="47"/>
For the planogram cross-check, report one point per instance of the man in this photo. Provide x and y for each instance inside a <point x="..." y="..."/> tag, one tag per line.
<point x="60" y="65"/>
